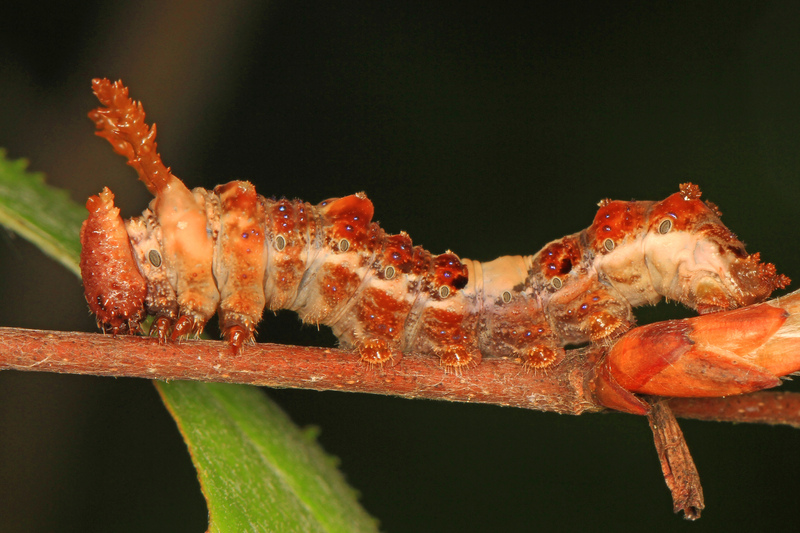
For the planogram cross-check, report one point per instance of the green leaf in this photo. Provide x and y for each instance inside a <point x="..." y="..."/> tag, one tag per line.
<point x="41" y="214"/>
<point x="258" y="471"/>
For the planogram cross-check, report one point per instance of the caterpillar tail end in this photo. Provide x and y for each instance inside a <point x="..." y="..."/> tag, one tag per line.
<point x="114" y="288"/>
<point x="121" y="121"/>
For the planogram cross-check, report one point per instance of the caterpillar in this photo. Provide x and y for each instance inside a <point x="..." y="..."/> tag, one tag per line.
<point x="194" y="253"/>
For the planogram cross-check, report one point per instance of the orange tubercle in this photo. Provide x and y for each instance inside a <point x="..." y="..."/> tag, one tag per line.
<point x="560" y="257"/>
<point x="350" y="218"/>
<point x="449" y="272"/>
<point x="614" y="221"/>
<point x="282" y="215"/>
<point x="398" y="252"/>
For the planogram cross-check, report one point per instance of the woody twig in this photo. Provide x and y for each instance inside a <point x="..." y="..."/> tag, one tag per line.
<point x="498" y="381"/>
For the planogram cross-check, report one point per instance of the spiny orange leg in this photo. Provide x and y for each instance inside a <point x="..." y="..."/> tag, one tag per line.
<point x="134" y="328"/>
<point x="160" y="329"/>
<point x="377" y="352"/>
<point x="238" y="336"/>
<point x="184" y="327"/>
<point x="112" y="329"/>
<point x="540" y="358"/>
<point x="455" y="359"/>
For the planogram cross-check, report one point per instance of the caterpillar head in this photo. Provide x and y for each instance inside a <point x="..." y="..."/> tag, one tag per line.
<point x="113" y="286"/>
<point x="679" y="249"/>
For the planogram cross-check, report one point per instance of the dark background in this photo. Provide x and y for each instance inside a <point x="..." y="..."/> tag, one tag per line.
<point x="485" y="129"/>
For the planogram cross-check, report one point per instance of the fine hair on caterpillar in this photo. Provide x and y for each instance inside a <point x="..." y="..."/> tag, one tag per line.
<point x="231" y="251"/>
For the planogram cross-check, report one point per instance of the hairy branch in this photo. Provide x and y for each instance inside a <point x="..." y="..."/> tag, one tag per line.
<point x="764" y="407"/>
<point x="495" y="381"/>
<point x="563" y="389"/>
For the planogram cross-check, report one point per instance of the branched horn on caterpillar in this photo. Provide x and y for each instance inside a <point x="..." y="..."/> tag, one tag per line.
<point x="234" y="252"/>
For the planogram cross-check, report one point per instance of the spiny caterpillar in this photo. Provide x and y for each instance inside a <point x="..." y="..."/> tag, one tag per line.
<point x="229" y="250"/>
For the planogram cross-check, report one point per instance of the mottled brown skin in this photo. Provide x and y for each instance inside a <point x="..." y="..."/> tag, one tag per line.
<point x="236" y="252"/>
